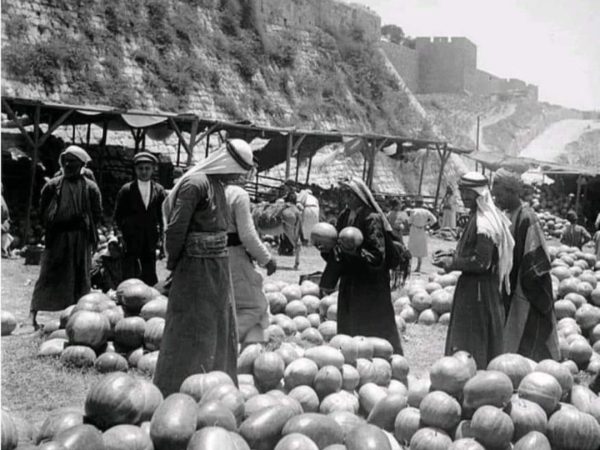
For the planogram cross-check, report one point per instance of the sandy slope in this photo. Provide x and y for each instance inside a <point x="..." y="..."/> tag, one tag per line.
<point x="551" y="143"/>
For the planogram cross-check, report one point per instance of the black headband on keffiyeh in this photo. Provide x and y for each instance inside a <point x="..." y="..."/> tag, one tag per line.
<point x="472" y="180"/>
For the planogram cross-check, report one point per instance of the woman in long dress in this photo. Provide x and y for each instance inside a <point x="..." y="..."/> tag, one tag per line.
<point x="484" y="254"/>
<point x="364" y="299"/>
<point x="449" y="204"/>
<point x="200" y="331"/>
<point x="420" y="218"/>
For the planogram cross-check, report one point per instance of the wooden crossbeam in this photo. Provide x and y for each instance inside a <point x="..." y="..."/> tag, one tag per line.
<point x="54" y="126"/>
<point x="12" y="116"/>
<point x="179" y="134"/>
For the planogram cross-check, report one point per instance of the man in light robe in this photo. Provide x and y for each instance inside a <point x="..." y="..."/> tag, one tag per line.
<point x="71" y="208"/>
<point x="245" y="248"/>
<point x="530" y="328"/>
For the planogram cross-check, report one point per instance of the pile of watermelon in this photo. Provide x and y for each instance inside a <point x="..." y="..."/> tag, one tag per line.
<point x="552" y="225"/>
<point x="350" y="393"/>
<point x="427" y="302"/>
<point x="110" y="334"/>
<point x="575" y="279"/>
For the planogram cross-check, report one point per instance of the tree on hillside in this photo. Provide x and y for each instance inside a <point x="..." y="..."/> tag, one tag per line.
<point x="393" y="32"/>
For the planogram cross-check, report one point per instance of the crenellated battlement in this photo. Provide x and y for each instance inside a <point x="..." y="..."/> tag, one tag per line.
<point x="330" y="15"/>
<point x="442" y="64"/>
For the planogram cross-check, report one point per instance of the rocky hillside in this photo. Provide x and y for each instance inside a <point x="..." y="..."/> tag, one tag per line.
<point x="213" y="57"/>
<point x="218" y="59"/>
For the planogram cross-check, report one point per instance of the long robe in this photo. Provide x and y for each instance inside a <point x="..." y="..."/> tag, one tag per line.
<point x="419" y="219"/>
<point x="251" y="306"/>
<point x="449" y="212"/>
<point x="477" y="317"/>
<point x="530" y="328"/>
<point x="71" y="209"/>
<point x="364" y="298"/>
<point x="200" y="331"/>
<point x="310" y="213"/>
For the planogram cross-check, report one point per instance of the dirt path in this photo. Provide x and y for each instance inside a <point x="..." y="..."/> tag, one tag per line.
<point x="490" y="119"/>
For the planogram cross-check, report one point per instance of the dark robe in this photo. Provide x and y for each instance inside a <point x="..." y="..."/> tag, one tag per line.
<point x="477" y="317"/>
<point x="531" y="323"/>
<point x="141" y="228"/>
<point x="71" y="210"/>
<point x="200" y="331"/>
<point x="364" y="298"/>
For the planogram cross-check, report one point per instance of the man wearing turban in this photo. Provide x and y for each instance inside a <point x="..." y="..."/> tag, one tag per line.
<point x="200" y="328"/>
<point x="484" y="256"/>
<point x="71" y="208"/>
<point x="531" y="323"/>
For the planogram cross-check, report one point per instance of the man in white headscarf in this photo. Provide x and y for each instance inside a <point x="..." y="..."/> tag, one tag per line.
<point x="71" y="208"/>
<point x="200" y="331"/>
<point x="484" y="255"/>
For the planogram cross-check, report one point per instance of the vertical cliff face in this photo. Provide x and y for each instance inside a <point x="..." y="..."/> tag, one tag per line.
<point x="217" y="58"/>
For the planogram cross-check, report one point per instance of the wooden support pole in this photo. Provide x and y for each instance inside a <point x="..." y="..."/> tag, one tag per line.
<point x="308" y="168"/>
<point x="87" y="136"/>
<point x="207" y="145"/>
<point x="179" y="135"/>
<point x="193" y="132"/>
<point x="423" y="163"/>
<point x="102" y="151"/>
<point x="288" y="155"/>
<point x="73" y="135"/>
<point x="143" y="140"/>
<point x="371" y="170"/>
<point x="178" y="151"/>
<point x="444" y="156"/>
<point x="297" y="166"/>
<point x="36" y="134"/>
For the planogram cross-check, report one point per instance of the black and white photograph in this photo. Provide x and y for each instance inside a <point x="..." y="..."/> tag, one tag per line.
<point x="300" y="225"/>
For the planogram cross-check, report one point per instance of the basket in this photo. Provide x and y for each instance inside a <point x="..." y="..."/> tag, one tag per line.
<point x="33" y="255"/>
<point x="315" y="277"/>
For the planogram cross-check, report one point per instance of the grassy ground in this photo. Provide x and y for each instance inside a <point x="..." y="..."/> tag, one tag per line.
<point x="30" y="387"/>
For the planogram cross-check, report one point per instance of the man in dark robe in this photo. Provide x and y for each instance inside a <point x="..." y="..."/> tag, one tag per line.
<point x="139" y="218"/>
<point x="364" y="298"/>
<point x="530" y="328"/>
<point x="71" y="207"/>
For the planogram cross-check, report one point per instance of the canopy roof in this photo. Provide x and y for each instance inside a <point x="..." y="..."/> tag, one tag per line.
<point x="495" y="161"/>
<point x="304" y="142"/>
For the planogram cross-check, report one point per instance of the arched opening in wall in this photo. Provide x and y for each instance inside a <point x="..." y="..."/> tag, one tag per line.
<point x="284" y="22"/>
